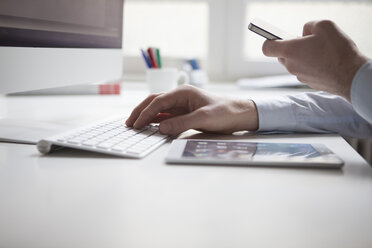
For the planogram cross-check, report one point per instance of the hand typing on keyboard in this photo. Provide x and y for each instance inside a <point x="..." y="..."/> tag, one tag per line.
<point x="188" y="107"/>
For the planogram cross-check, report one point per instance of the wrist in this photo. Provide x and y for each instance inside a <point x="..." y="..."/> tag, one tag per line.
<point x="355" y="65"/>
<point x="247" y="115"/>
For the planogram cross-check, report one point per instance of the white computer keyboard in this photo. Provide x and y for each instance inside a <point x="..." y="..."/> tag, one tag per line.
<point x="110" y="136"/>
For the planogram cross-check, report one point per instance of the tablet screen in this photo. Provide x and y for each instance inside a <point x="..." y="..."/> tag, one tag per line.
<point x="248" y="150"/>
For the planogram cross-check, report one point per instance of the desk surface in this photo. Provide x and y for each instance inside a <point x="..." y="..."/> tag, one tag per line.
<point x="78" y="199"/>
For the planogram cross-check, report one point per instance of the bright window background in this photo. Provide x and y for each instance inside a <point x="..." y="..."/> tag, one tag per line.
<point x="354" y="18"/>
<point x="215" y="31"/>
<point x="179" y="28"/>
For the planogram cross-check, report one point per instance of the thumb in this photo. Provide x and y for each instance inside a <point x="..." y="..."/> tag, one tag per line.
<point x="179" y="124"/>
<point x="308" y="28"/>
<point x="273" y="48"/>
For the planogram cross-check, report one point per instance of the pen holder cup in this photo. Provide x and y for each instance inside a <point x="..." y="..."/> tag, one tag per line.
<point x="165" y="79"/>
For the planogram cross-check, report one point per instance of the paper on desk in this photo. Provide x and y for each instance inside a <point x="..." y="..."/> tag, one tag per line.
<point x="282" y="81"/>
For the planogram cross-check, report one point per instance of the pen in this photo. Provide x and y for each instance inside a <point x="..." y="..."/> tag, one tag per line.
<point x="146" y="58"/>
<point x="152" y="57"/>
<point x="194" y="64"/>
<point x="159" y="57"/>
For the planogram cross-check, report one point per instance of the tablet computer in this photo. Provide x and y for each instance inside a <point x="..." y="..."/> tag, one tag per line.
<point x="227" y="152"/>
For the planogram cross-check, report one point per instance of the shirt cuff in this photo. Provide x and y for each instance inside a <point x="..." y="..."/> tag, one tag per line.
<point x="361" y="89"/>
<point x="275" y="114"/>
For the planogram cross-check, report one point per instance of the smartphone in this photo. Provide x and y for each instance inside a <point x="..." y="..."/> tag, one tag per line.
<point x="268" y="30"/>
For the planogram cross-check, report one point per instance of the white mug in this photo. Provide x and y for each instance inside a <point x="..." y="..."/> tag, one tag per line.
<point x="165" y="79"/>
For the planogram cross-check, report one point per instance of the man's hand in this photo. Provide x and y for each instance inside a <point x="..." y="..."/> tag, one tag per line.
<point x="190" y="108"/>
<point x="325" y="58"/>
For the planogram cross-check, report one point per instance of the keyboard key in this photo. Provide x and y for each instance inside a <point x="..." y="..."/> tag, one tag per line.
<point x="62" y="140"/>
<point x="91" y="142"/>
<point x="74" y="141"/>
<point x="105" y="145"/>
<point x="134" y="151"/>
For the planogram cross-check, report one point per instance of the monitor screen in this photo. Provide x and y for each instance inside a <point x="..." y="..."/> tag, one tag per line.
<point x="61" y="23"/>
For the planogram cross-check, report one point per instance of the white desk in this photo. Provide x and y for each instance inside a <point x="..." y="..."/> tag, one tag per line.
<point x="79" y="199"/>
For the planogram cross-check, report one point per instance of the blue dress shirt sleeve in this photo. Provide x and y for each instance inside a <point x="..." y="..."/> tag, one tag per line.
<point x="361" y="92"/>
<point x="317" y="112"/>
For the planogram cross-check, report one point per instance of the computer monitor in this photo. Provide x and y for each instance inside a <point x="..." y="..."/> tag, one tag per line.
<point x="52" y="43"/>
